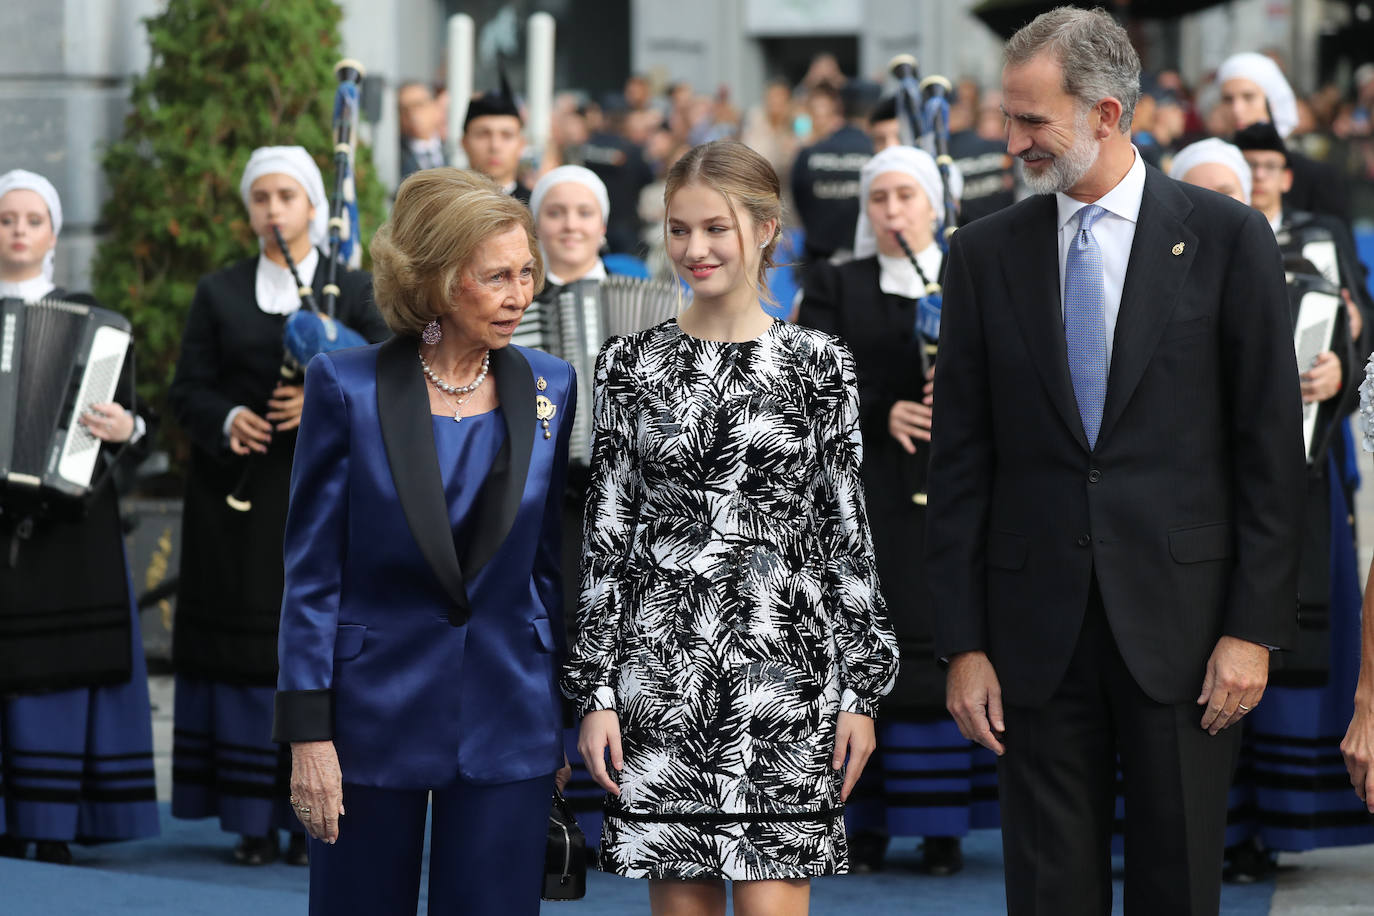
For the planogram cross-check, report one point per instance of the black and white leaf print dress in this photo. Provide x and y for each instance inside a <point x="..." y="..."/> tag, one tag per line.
<point x="730" y="605"/>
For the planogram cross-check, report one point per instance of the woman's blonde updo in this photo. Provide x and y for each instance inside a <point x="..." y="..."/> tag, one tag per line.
<point x="747" y="182"/>
<point x="440" y="218"/>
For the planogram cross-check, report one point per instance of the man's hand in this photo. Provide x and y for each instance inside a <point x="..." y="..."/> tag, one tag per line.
<point x="1358" y="746"/>
<point x="974" y="697"/>
<point x="1236" y="676"/>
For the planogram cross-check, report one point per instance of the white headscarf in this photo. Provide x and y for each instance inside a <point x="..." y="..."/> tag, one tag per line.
<point x="1263" y="72"/>
<point x="20" y="180"/>
<point x="578" y="175"/>
<point x="295" y="162"/>
<point x="1212" y="150"/>
<point x="908" y="160"/>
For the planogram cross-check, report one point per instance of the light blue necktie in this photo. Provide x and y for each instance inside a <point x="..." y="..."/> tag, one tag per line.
<point x="1085" y="322"/>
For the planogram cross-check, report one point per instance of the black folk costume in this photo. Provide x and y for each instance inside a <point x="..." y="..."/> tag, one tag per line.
<point x="730" y="606"/>
<point x="925" y="779"/>
<point x="225" y="637"/>
<point x="1291" y="790"/>
<point x="76" y="742"/>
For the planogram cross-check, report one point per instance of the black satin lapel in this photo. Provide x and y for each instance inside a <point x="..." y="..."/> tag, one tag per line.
<point x="1154" y="276"/>
<point x="1033" y="265"/>
<point x="505" y="486"/>
<point x="408" y="434"/>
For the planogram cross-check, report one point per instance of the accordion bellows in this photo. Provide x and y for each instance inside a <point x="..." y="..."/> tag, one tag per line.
<point x="582" y="316"/>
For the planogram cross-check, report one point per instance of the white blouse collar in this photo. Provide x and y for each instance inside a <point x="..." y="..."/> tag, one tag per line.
<point x="276" y="289"/>
<point x="30" y="290"/>
<point x="897" y="277"/>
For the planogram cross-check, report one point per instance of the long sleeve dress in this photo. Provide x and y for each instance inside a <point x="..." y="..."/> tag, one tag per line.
<point x="730" y="605"/>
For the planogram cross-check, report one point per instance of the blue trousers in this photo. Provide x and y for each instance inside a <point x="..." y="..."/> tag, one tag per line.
<point x="486" y="851"/>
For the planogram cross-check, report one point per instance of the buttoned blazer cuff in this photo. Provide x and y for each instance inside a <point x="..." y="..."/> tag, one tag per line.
<point x="860" y="706"/>
<point x="600" y="698"/>
<point x="303" y="715"/>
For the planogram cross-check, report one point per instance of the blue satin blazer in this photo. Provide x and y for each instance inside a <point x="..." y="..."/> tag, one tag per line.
<point x="418" y="663"/>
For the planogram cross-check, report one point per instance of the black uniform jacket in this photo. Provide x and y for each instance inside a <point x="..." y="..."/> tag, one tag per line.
<point x="229" y="598"/>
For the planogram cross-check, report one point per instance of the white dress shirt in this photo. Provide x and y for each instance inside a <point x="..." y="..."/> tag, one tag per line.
<point x="429" y="154"/>
<point x="1114" y="231"/>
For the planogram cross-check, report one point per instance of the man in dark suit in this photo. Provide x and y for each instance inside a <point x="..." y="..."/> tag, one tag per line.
<point x="422" y="147"/>
<point x="1115" y="488"/>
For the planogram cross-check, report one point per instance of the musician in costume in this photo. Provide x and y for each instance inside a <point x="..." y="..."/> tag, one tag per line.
<point x="493" y="139"/>
<point x="571" y="208"/>
<point x="76" y="763"/>
<point x="1287" y="794"/>
<point x="239" y="413"/>
<point x="1254" y="89"/>
<point x="875" y="303"/>
<point x="422" y="618"/>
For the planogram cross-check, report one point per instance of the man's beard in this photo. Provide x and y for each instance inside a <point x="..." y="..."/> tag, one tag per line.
<point x="1069" y="167"/>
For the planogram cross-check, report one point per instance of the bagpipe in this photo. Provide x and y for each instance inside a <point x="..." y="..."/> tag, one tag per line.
<point x="923" y="121"/>
<point x="312" y="330"/>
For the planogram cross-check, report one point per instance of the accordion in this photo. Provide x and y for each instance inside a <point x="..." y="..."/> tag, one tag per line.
<point x="577" y="319"/>
<point x="1317" y="310"/>
<point x="57" y="358"/>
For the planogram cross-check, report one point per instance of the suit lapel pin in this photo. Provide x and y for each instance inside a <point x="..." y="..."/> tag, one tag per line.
<point x="1178" y="249"/>
<point x="544" y="409"/>
<point x="540" y="383"/>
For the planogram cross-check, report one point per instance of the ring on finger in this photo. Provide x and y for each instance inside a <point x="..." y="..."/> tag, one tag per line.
<point x="1243" y="708"/>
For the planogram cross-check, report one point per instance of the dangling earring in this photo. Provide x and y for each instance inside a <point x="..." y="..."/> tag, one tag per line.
<point x="432" y="333"/>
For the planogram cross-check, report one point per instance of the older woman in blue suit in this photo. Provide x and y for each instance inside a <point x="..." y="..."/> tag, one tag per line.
<point x="421" y="626"/>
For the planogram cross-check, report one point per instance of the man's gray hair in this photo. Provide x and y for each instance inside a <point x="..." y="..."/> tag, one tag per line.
<point x="1093" y="51"/>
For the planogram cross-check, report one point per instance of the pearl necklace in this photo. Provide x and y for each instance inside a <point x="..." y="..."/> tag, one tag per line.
<point x="467" y="391"/>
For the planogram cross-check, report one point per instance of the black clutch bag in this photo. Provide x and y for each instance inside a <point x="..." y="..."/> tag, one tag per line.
<point x="565" y="854"/>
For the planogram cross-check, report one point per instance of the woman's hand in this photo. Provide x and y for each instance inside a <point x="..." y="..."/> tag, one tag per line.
<point x="249" y="433"/>
<point x="284" y="409"/>
<point x="108" y="422"/>
<point x="1323" y="380"/>
<point x="562" y="775"/>
<point x="317" y="788"/>
<point x="854" y="739"/>
<point x="909" y="423"/>
<point x="600" y="731"/>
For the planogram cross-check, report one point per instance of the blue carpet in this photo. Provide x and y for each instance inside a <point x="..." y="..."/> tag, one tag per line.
<point x="187" y="872"/>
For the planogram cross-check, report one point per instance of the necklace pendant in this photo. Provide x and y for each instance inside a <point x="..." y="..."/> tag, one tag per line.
<point x="457" y="417"/>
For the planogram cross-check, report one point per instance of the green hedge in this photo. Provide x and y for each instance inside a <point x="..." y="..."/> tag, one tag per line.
<point x="226" y="76"/>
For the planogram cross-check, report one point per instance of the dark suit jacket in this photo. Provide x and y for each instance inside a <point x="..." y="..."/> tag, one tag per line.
<point x="418" y="663"/>
<point x="1187" y="511"/>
